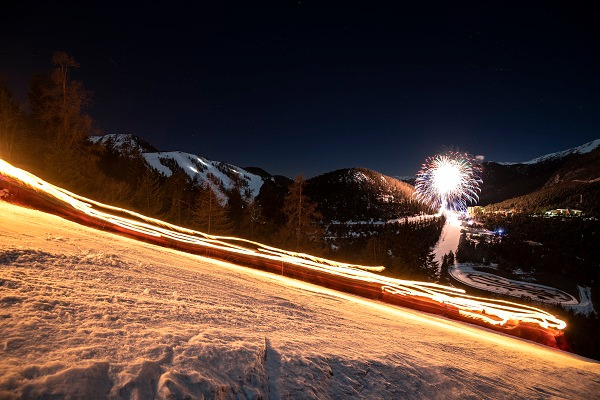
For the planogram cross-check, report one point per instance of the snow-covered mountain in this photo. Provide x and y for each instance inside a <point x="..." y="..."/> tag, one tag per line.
<point x="348" y="194"/>
<point x="575" y="167"/>
<point x="221" y="176"/>
<point x="583" y="149"/>
<point x="125" y="142"/>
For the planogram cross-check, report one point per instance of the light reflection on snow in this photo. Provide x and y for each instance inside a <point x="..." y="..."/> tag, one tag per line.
<point x="492" y="312"/>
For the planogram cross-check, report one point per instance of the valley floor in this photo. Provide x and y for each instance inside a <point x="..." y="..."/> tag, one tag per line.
<point x="88" y="314"/>
<point x="468" y="275"/>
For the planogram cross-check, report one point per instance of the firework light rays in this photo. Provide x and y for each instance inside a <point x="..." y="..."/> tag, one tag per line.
<point x="449" y="181"/>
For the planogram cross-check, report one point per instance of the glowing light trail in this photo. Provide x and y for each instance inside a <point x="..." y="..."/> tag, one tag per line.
<point x="513" y="318"/>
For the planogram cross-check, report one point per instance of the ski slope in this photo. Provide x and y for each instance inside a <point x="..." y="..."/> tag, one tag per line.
<point x="88" y="314"/>
<point x="220" y="176"/>
<point x="202" y="169"/>
<point x="448" y="241"/>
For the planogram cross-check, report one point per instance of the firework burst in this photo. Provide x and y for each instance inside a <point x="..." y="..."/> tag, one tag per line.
<point x="449" y="181"/>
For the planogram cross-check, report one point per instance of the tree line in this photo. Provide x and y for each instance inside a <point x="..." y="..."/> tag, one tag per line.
<point x="50" y="138"/>
<point x="403" y="248"/>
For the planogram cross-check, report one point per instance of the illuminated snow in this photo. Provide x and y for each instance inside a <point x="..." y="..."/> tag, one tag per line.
<point x="90" y="314"/>
<point x="466" y="274"/>
<point x="203" y="172"/>
<point x="195" y="166"/>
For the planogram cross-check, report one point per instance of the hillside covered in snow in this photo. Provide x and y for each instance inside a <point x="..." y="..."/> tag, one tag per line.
<point x="558" y="177"/>
<point x="220" y="176"/>
<point x="583" y="149"/>
<point x="351" y="194"/>
<point x="91" y="315"/>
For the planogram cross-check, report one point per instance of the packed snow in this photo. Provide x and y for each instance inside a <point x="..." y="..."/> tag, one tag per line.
<point x="467" y="274"/>
<point x="583" y="149"/>
<point x="449" y="239"/>
<point x="92" y="315"/>
<point x="585" y="305"/>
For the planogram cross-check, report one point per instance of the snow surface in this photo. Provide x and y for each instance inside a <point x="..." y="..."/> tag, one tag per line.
<point x="583" y="149"/>
<point x="449" y="239"/>
<point x="585" y="305"/>
<point x="201" y="168"/>
<point x="196" y="167"/>
<point x="466" y="274"/>
<point x="91" y="315"/>
<point x="118" y="139"/>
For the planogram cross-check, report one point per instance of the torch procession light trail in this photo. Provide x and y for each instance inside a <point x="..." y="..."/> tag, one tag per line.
<point x="513" y="318"/>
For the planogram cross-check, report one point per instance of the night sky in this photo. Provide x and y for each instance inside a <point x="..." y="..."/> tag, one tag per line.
<point x="307" y="87"/>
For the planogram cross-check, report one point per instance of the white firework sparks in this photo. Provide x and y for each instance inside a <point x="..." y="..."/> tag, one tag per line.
<point x="448" y="182"/>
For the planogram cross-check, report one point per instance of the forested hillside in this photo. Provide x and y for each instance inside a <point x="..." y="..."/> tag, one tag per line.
<point x="360" y="194"/>
<point x="571" y="180"/>
<point x="55" y="138"/>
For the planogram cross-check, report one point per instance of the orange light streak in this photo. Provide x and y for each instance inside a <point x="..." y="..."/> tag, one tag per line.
<point x="495" y="313"/>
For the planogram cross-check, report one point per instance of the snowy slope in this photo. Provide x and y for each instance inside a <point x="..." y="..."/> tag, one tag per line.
<point x="221" y="176"/>
<point x="583" y="149"/>
<point x="118" y="140"/>
<point x="448" y="241"/>
<point x="87" y="314"/>
<point x="124" y="141"/>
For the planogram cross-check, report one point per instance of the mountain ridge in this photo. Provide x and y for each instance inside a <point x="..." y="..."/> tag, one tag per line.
<point x="220" y="176"/>
<point x="344" y="194"/>
<point x="363" y="194"/>
<point x="582" y="149"/>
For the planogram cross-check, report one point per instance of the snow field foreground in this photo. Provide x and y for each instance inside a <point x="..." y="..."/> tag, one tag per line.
<point x="88" y="314"/>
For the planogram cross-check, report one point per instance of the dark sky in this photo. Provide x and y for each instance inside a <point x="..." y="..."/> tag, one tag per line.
<point x="307" y="87"/>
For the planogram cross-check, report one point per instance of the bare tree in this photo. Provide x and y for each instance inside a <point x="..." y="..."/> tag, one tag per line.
<point x="11" y="119"/>
<point x="209" y="214"/>
<point x="302" y="227"/>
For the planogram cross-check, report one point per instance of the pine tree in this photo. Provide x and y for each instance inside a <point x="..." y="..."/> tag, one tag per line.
<point x="147" y="196"/>
<point x="11" y="124"/>
<point x="254" y="224"/>
<point x="235" y="208"/>
<point x="444" y="262"/>
<point x="431" y="267"/>
<point x="451" y="258"/>
<point x="57" y="104"/>
<point x="302" y="230"/>
<point x="374" y="252"/>
<point x="176" y="186"/>
<point x="209" y="215"/>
